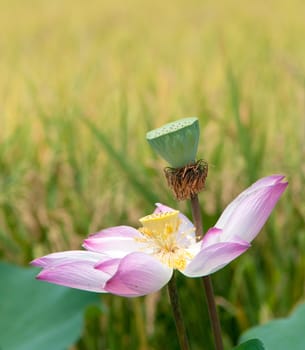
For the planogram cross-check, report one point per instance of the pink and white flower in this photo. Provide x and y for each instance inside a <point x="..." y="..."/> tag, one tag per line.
<point x="132" y="262"/>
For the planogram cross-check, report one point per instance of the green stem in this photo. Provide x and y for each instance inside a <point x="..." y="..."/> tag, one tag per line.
<point x="180" y="328"/>
<point x="196" y="213"/>
<point x="207" y="281"/>
<point x="208" y="287"/>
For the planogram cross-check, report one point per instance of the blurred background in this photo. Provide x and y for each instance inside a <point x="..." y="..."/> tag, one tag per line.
<point x="81" y="84"/>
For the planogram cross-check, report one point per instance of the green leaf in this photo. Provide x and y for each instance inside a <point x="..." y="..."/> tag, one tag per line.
<point x="38" y="315"/>
<point x="281" y="334"/>
<point x="252" y="344"/>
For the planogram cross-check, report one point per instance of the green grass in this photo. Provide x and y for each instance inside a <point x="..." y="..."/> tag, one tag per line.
<point x="81" y="84"/>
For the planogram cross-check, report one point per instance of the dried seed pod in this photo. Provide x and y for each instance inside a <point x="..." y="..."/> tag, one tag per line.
<point x="188" y="180"/>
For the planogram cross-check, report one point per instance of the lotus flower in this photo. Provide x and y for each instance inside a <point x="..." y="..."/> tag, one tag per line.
<point x="132" y="262"/>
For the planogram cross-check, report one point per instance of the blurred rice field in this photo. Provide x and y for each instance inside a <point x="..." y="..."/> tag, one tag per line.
<point x="83" y="81"/>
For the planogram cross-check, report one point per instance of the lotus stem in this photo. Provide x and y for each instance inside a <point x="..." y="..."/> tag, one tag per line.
<point x="207" y="280"/>
<point x="174" y="298"/>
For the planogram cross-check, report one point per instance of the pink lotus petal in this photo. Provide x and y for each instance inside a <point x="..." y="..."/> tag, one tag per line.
<point x="213" y="257"/>
<point x="161" y="208"/>
<point x="117" y="263"/>
<point x="116" y="231"/>
<point x="248" y="212"/>
<point x="70" y="256"/>
<point x="115" y="242"/>
<point x="211" y="237"/>
<point x="138" y="274"/>
<point x="78" y="274"/>
<point x="108" y="266"/>
<point x="265" y="181"/>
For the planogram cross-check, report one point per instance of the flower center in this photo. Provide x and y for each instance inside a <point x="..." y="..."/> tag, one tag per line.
<point x="161" y="233"/>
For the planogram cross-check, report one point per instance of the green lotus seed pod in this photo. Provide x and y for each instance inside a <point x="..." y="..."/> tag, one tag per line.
<point x="176" y="142"/>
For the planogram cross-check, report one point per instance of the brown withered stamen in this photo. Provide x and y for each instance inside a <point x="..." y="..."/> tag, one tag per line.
<point x="188" y="180"/>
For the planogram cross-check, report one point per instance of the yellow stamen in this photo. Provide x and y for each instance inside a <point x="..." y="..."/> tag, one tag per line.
<point x="158" y="222"/>
<point x="160" y="235"/>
